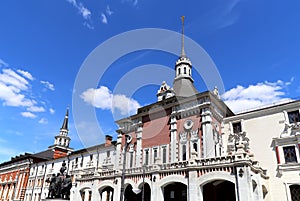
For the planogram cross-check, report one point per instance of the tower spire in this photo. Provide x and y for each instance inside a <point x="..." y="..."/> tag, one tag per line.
<point x="65" y="123"/>
<point x="62" y="140"/>
<point x="183" y="83"/>
<point x="182" y="38"/>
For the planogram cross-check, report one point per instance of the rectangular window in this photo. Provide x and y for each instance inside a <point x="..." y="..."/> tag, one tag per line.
<point x="131" y="159"/>
<point x="237" y="127"/>
<point x="164" y="154"/>
<point x="294" y="116"/>
<point x="183" y="152"/>
<point x="290" y="154"/>
<point x="146" y="157"/>
<point x="155" y="153"/>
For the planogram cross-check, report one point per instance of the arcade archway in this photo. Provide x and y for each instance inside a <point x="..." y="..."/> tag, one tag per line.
<point x="137" y="194"/>
<point x="219" y="190"/>
<point x="175" y="192"/>
<point x="107" y="194"/>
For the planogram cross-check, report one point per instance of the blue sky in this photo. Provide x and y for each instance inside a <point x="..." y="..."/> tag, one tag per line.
<point x="43" y="44"/>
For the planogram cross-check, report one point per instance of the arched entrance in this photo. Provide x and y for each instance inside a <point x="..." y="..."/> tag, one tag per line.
<point x="175" y="192"/>
<point x="107" y="194"/>
<point x="219" y="190"/>
<point x="137" y="194"/>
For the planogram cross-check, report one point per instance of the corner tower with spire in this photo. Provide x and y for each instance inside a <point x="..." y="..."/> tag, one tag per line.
<point x="62" y="140"/>
<point x="183" y="82"/>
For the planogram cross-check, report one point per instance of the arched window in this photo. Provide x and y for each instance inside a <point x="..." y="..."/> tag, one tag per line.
<point x="164" y="155"/>
<point x="179" y="71"/>
<point x="184" y="70"/>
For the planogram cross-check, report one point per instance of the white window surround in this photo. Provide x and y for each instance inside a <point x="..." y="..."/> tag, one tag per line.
<point x="287" y="188"/>
<point x="167" y="153"/>
<point x="237" y="121"/>
<point x="154" y="155"/>
<point x="280" y="143"/>
<point x="286" y="116"/>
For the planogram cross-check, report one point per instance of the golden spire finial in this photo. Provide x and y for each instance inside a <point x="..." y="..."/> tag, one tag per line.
<point x="182" y="38"/>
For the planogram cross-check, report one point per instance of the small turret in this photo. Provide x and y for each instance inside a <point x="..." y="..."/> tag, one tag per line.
<point x="62" y="141"/>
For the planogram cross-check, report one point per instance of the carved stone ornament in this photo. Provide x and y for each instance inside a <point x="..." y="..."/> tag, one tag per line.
<point x="194" y="135"/>
<point x="188" y="124"/>
<point x="290" y="129"/>
<point x="183" y="137"/>
<point x="236" y="139"/>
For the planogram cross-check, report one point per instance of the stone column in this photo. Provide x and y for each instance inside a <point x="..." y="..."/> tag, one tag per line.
<point x="156" y="193"/>
<point x="117" y="189"/>
<point x="173" y="143"/>
<point x="259" y="189"/>
<point x="193" y="187"/>
<point x="95" y="192"/>
<point x="139" y="146"/>
<point x="207" y="132"/>
<point x="86" y="194"/>
<point x="119" y="152"/>
<point x="243" y="184"/>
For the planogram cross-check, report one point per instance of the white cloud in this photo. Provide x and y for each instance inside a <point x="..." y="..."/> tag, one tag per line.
<point x="16" y="91"/>
<point x="3" y="63"/>
<point x="28" y="115"/>
<point x="133" y="2"/>
<point x="48" y="85"/>
<point x="108" y="11"/>
<point x="10" y="77"/>
<point x="242" y="98"/>
<point x="12" y="87"/>
<point x="52" y="111"/>
<point x="25" y="74"/>
<point x="103" y="18"/>
<point x="36" y="109"/>
<point x="84" y="12"/>
<point x="43" y="121"/>
<point x="104" y="99"/>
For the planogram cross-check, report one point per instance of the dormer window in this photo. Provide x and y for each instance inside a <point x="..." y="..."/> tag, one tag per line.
<point x="237" y="127"/>
<point x="294" y="116"/>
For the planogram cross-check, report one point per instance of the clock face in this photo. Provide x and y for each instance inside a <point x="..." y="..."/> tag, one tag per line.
<point x="188" y="124"/>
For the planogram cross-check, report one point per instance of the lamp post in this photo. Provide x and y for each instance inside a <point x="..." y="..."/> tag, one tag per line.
<point x="128" y="139"/>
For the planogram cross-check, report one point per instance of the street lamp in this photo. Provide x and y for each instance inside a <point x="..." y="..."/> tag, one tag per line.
<point x="128" y="139"/>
